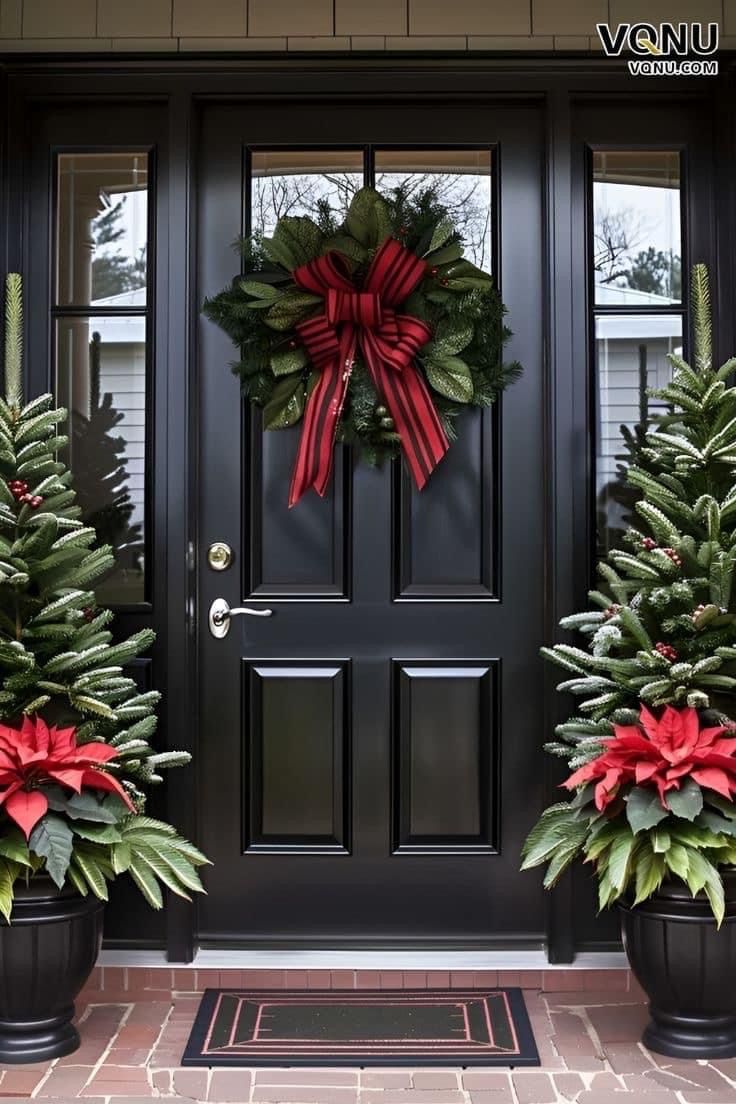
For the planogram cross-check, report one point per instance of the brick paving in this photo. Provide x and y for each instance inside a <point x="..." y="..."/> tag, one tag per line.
<point x="134" y="1024"/>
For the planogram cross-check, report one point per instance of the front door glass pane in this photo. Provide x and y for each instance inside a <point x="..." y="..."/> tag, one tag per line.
<point x="637" y="248"/>
<point x="461" y="179"/>
<point x="317" y="183"/>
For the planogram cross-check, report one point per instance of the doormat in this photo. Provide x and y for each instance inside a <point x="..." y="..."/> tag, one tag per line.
<point x="461" y="1027"/>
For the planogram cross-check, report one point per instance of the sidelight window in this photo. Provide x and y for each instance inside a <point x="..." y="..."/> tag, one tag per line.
<point x="638" y="270"/>
<point x="101" y="306"/>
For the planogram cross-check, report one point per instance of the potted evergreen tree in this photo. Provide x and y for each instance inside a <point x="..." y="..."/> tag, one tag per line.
<point x="653" y="745"/>
<point x="76" y="752"/>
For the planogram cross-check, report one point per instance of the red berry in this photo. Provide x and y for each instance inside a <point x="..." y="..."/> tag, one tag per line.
<point x="444" y="281"/>
<point x="649" y="544"/>
<point x="433" y="270"/>
<point x="611" y="611"/>
<point x="292" y="343"/>
<point x="25" y="497"/>
<point x="36" y="501"/>
<point x="666" y="651"/>
<point x="89" y="613"/>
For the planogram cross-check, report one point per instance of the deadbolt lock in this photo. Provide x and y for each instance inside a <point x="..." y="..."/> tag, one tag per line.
<point x="219" y="556"/>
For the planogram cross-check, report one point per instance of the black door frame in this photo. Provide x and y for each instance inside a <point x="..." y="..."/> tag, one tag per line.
<point x="561" y="84"/>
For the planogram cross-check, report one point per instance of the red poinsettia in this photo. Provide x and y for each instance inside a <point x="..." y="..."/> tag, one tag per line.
<point x="661" y="753"/>
<point x="34" y="755"/>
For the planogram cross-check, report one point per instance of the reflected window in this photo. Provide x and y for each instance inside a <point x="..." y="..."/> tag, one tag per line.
<point x="461" y="179"/>
<point x="638" y="318"/>
<point x="317" y="183"/>
<point x="631" y="358"/>
<point x="102" y="227"/>
<point x="637" y="251"/>
<point x="101" y="362"/>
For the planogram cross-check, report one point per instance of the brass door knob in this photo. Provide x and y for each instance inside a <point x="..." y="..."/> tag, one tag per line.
<point x="219" y="556"/>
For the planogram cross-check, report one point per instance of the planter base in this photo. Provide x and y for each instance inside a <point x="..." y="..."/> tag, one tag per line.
<point x="38" y="1040"/>
<point x="691" y="1036"/>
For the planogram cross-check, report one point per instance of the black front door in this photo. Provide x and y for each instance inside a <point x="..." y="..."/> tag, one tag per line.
<point x="369" y="756"/>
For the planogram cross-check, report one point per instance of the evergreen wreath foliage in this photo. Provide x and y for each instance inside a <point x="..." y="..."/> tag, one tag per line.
<point x="463" y="363"/>
<point x="61" y="669"/>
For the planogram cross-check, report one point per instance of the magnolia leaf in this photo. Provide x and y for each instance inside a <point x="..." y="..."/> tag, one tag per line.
<point x="368" y="219"/>
<point x="52" y="839"/>
<point x="286" y="405"/>
<point x="644" y="809"/>
<point x="349" y="247"/>
<point x="289" y="309"/>
<point x="451" y="336"/>
<point x="260" y="291"/>
<point x="686" y="802"/>
<point x="440" y="234"/>
<point x="450" y="376"/>
<point x="286" y="361"/>
<point x="469" y="283"/>
<point x="295" y="241"/>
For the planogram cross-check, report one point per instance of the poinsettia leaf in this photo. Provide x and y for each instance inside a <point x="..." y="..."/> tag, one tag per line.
<point x="618" y="860"/>
<point x="686" y="802"/>
<point x="52" y="839"/>
<point x="8" y="873"/>
<point x="661" y="841"/>
<point x="13" y="846"/>
<point x="650" y="870"/>
<point x="286" y="405"/>
<point x="716" y="823"/>
<point x="450" y="376"/>
<point x="99" y="833"/>
<point x="677" y="860"/>
<point x="286" y="361"/>
<point x="644" y="809"/>
<point x="83" y="806"/>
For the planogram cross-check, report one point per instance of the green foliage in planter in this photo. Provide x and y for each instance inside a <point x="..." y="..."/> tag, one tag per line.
<point x="662" y="632"/>
<point x="59" y="662"/>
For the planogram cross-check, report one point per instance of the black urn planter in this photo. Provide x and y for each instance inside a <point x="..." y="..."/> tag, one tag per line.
<point x="686" y="966"/>
<point x="46" y="954"/>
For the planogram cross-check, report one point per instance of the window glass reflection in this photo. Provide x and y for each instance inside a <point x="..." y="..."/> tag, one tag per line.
<point x="637" y="251"/>
<point x="101" y="379"/>
<point x="462" y="182"/>
<point x="317" y="183"/>
<point x="102" y="227"/>
<point x="631" y="356"/>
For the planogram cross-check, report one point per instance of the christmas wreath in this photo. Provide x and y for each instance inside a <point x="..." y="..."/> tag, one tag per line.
<point x="376" y="331"/>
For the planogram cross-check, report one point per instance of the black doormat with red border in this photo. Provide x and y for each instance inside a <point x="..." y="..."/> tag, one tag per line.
<point x="296" y="1027"/>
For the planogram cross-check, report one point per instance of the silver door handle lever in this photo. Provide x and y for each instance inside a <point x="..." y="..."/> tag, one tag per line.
<point x="221" y="613"/>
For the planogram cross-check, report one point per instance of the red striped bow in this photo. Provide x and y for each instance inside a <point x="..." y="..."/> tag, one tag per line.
<point x="365" y="320"/>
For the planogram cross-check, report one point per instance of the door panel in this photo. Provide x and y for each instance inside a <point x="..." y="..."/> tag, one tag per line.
<point x="370" y="755"/>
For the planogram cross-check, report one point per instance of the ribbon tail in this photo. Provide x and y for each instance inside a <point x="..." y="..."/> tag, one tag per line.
<point x="423" y="440"/>
<point x="313" y="466"/>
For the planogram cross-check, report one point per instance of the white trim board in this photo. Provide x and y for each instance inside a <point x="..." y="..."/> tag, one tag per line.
<point x="366" y="960"/>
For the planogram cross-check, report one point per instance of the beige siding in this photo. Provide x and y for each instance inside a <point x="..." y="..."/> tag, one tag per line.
<point x="339" y="25"/>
